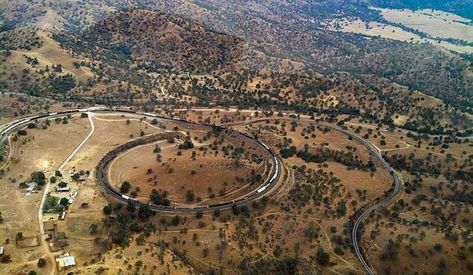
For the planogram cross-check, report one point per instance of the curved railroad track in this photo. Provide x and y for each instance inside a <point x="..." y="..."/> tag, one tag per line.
<point x="101" y="173"/>
<point x="396" y="189"/>
<point x="102" y="177"/>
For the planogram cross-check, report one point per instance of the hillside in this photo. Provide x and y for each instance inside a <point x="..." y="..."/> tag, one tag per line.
<point x="101" y="77"/>
<point x="236" y="136"/>
<point x="157" y="40"/>
<point x="278" y="29"/>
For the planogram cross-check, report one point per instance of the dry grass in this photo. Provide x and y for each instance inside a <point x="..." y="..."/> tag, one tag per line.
<point x="391" y="32"/>
<point x="433" y="22"/>
<point x="51" y="54"/>
<point x="215" y="172"/>
<point x="19" y="210"/>
<point x="46" y="153"/>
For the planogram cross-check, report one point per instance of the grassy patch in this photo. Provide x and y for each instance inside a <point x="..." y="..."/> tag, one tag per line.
<point x="3" y="152"/>
<point x="52" y="205"/>
<point x="198" y="73"/>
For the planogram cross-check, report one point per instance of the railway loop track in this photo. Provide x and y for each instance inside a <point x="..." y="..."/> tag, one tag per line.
<point x="264" y="189"/>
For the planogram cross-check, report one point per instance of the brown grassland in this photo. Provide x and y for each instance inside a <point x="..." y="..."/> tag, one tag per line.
<point x="263" y="232"/>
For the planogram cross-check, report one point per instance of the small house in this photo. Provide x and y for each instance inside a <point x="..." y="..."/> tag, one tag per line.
<point x="62" y="189"/>
<point x="65" y="262"/>
<point x="62" y="216"/>
<point x="50" y="228"/>
<point x="30" y="186"/>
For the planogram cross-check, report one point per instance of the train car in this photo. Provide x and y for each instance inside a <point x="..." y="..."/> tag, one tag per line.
<point x="155" y="206"/>
<point x="238" y="200"/>
<point x="67" y="112"/>
<point x="265" y="146"/>
<point x="125" y="197"/>
<point x="219" y="204"/>
<point x="245" y="135"/>
<point x="127" y="111"/>
<point x="261" y="189"/>
<point x="14" y="125"/>
<point x="42" y="116"/>
<point x="277" y="169"/>
<point x="149" y="114"/>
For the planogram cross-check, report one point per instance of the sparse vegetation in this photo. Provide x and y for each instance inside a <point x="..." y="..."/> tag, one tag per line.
<point x="275" y="71"/>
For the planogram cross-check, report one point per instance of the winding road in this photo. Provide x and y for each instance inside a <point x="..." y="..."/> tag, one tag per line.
<point x="266" y="187"/>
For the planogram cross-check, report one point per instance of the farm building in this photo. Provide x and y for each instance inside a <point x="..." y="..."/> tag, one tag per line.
<point x="65" y="261"/>
<point x="30" y="187"/>
<point x="50" y="228"/>
<point x="63" y="189"/>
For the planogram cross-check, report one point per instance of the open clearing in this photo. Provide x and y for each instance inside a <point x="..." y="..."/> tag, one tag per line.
<point x="209" y="176"/>
<point x="433" y="22"/>
<point x="377" y="29"/>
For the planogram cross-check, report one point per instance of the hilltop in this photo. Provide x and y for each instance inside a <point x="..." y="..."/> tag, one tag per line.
<point x="159" y="40"/>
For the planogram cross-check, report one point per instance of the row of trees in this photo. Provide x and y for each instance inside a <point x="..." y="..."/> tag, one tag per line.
<point x="324" y="154"/>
